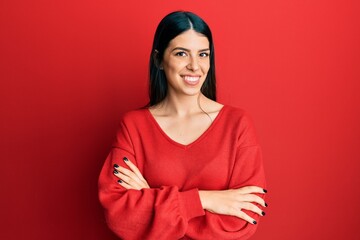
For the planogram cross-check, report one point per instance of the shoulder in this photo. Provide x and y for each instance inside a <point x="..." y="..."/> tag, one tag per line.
<point x="130" y="124"/>
<point x="134" y="114"/>
<point x="134" y="118"/>
<point x="240" y="122"/>
<point x="236" y="114"/>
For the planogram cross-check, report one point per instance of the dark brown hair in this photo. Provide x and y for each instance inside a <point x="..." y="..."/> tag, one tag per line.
<point x="171" y="26"/>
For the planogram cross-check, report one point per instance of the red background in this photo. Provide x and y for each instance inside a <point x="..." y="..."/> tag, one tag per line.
<point x="70" y="68"/>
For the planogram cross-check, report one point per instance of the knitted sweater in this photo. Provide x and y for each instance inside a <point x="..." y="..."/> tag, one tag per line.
<point x="225" y="156"/>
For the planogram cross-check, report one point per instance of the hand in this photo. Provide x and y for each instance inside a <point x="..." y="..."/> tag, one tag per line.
<point x="130" y="179"/>
<point x="232" y="201"/>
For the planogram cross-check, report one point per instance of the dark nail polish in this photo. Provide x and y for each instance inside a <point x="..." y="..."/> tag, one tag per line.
<point x="116" y="166"/>
<point x="266" y="204"/>
<point x="265" y="191"/>
<point x="263" y="213"/>
<point x="254" y="222"/>
<point x="115" y="171"/>
<point x="119" y="181"/>
<point x="125" y="159"/>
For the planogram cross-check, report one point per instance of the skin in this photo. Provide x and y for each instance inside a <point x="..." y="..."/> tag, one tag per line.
<point x="186" y="63"/>
<point x="179" y="114"/>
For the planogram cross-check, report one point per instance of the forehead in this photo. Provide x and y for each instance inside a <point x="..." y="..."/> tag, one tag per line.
<point x="190" y="40"/>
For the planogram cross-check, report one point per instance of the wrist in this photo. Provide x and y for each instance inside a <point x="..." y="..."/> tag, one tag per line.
<point x="204" y="199"/>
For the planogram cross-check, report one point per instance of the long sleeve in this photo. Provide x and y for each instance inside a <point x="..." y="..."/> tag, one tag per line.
<point x="155" y="213"/>
<point x="226" y="156"/>
<point x="248" y="170"/>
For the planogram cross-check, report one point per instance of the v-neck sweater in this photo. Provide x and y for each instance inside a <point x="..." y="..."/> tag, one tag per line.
<point x="225" y="156"/>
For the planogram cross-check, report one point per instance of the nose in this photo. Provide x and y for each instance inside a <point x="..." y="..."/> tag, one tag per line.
<point x="193" y="64"/>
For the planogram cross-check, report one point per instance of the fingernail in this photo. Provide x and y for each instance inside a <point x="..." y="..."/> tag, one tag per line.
<point x="265" y="191"/>
<point x="119" y="181"/>
<point x="116" y="166"/>
<point x="254" y="222"/>
<point x="266" y="204"/>
<point x="115" y="171"/>
<point x="263" y="213"/>
<point x="125" y="159"/>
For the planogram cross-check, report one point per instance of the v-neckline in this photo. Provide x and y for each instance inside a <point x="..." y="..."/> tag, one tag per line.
<point x="198" y="139"/>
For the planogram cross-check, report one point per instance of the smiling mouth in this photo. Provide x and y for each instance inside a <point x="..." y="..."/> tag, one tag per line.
<point x="191" y="80"/>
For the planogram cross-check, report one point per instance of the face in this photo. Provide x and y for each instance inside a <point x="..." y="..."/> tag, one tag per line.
<point x="186" y="62"/>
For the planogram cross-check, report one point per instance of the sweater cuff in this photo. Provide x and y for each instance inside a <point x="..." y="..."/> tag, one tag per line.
<point x="190" y="204"/>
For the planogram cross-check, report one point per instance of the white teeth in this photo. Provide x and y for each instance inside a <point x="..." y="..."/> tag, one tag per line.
<point x="191" y="79"/>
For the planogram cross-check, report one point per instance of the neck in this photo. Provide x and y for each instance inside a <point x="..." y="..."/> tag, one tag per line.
<point x="182" y="105"/>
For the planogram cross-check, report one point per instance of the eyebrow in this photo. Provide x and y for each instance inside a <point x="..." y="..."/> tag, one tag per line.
<point x="188" y="50"/>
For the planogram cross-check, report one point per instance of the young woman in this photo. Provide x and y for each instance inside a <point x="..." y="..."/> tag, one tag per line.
<point x="185" y="167"/>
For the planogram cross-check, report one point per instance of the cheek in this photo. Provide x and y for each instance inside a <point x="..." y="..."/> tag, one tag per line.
<point x="205" y="67"/>
<point x="171" y="71"/>
<point x="174" y="66"/>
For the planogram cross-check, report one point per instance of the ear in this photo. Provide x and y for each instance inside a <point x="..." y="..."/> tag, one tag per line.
<point x="156" y="59"/>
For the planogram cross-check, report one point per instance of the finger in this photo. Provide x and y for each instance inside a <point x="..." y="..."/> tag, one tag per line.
<point x="125" y="185"/>
<point x="133" y="168"/>
<point x="252" y="207"/>
<point x="126" y="179"/>
<point x="253" y="198"/>
<point x="132" y="175"/>
<point x="146" y="185"/>
<point x="251" y="189"/>
<point x="242" y="215"/>
<point x="136" y="171"/>
<point x="128" y="173"/>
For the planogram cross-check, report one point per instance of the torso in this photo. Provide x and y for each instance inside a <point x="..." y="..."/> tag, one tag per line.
<point x="204" y="161"/>
<point x="187" y="129"/>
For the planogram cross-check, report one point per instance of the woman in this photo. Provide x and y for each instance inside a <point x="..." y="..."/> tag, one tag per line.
<point x="186" y="167"/>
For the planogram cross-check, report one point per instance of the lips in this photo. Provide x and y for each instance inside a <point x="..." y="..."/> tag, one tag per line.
<point x="191" y="80"/>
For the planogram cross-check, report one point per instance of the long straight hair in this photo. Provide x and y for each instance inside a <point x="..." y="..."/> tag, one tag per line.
<point x="171" y="26"/>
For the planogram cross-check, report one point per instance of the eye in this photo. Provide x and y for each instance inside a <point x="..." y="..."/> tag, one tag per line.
<point x="204" y="54"/>
<point x="181" y="54"/>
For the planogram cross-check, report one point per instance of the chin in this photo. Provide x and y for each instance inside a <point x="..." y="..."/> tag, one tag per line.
<point x="192" y="93"/>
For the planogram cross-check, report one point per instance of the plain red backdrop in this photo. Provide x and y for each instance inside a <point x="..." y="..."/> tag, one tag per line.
<point x="69" y="69"/>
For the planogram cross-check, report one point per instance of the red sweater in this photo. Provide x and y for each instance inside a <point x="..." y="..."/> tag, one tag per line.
<point x="225" y="156"/>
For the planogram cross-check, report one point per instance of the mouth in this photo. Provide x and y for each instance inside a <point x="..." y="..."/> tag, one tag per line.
<point x="191" y="80"/>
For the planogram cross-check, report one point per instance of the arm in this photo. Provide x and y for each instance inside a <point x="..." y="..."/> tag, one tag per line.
<point x="230" y="202"/>
<point x="149" y="213"/>
<point x="233" y="202"/>
<point x="240" y="210"/>
<point x="230" y="213"/>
